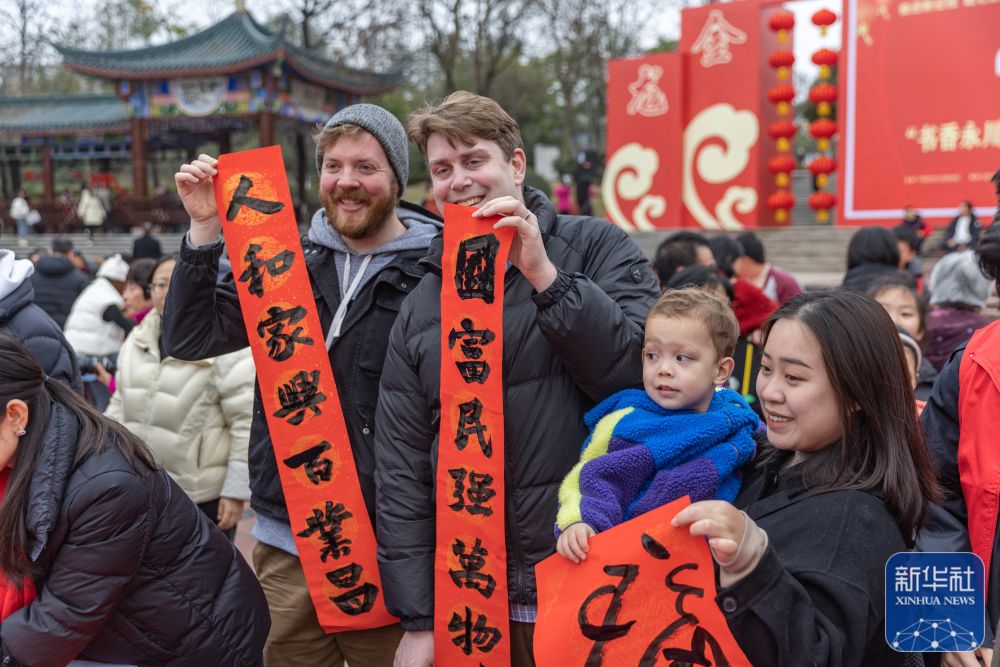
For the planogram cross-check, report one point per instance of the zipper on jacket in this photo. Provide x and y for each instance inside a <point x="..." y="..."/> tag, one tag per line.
<point x="514" y="544"/>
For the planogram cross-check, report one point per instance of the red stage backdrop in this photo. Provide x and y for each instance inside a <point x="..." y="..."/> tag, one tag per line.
<point x="726" y="145"/>
<point x="920" y="117"/>
<point x="642" y="177"/>
<point x="687" y="132"/>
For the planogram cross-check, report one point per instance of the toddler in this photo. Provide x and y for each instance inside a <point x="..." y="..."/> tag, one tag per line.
<point x="680" y="435"/>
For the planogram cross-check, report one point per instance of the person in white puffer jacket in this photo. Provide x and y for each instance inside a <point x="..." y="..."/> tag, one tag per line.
<point x="89" y="328"/>
<point x="194" y="415"/>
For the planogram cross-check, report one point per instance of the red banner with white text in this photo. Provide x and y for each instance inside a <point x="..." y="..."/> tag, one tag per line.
<point x="920" y="117"/>
<point x="642" y="177"/>
<point x="687" y="131"/>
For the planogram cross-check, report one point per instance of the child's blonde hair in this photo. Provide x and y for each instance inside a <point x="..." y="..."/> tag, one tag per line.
<point x="703" y="305"/>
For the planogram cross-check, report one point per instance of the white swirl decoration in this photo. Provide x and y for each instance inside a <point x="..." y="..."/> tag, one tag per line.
<point x="717" y="163"/>
<point x="629" y="175"/>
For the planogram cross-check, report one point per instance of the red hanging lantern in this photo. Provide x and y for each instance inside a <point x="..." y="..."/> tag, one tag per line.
<point x="781" y="22"/>
<point x="824" y="18"/>
<point x="822" y="130"/>
<point x="826" y="59"/>
<point x="822" y="202"/>
<point x="781" y="128"/>
<point x="822" y="199"/>
<point x="780" y="165"/>
<point x="822" y="94"/>
<point x="782" y="60"/>
<point x="781" y="95"/>
<point x="782" y="131"/>
<point x="821" y="167"/>
<point x="780" y="202"/>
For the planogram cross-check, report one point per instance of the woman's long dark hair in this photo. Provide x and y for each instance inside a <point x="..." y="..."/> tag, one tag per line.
<point x="883" y="448"/>
<point x="22" y="378"/>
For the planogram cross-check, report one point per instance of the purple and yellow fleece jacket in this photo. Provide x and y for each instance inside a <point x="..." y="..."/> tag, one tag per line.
<point x="640" y="456"/>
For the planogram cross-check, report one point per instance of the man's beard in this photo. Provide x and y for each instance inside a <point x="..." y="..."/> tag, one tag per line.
<point x="364" y="223"/>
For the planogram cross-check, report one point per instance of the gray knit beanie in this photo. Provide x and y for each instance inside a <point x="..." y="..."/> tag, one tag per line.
<point x="957" y="278"/>
<point x="383" y="126"/>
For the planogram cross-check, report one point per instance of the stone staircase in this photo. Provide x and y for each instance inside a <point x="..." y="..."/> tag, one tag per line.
<point x="103" y="245"/>
<point x="802" y="187"/>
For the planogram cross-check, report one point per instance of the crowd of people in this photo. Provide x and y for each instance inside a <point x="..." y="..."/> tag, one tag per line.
<point x="95" y="207"/>
<point x="816" y="432"/>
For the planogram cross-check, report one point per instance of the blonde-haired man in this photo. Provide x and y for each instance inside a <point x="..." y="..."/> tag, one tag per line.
<point x="576" y="295"/>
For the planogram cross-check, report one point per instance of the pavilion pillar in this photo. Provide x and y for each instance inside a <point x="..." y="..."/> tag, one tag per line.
<point x="139" y="185"/>
<point x="302" y="163"/>
<point x="15" y="176"/>
<point x="48" y="176"/>
<point x="265" y="125"/>
<point x="265" y="122"/>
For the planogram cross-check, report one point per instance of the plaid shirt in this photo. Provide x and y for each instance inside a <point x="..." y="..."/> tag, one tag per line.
<point x="523" y="613"/>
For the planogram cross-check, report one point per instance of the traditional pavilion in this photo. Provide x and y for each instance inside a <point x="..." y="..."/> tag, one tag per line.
<point x="236" y="75"/>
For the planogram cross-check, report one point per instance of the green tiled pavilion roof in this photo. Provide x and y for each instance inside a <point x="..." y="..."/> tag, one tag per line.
<point x="62" y="114"/>
<point x="234" y="44"/>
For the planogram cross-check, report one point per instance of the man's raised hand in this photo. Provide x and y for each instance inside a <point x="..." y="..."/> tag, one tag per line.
<point x="194" y="185"/>
<point x="527" y="252"/>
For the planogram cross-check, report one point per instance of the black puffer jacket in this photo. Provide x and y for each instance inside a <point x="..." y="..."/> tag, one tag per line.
<point x="134" y="572"/>
<point x="57" y="283"/>
<point x="564" y="349"/>
<point x="203" y="319"/>
<point x="817" y="596"/>
<point x="22" y="319"/>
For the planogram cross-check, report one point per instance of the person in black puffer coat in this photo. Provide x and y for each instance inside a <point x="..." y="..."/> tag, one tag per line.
<point x="29" y="324"/>
<point x="57" y="281"/>
<point x="361" y="152"/>
<point x="126" y="568"/>
<point x="573" y="333"/>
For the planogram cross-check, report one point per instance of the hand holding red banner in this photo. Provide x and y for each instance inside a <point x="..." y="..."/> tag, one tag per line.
<point x="646" y="592"/>
<point x="470" y="575"/>
<point x="333" y="533"/>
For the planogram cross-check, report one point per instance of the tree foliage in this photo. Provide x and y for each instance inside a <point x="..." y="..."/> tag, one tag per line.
<point x="30" y="64"/>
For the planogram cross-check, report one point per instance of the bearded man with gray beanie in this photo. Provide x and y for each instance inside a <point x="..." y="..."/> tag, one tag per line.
<point x="362" y="253"/>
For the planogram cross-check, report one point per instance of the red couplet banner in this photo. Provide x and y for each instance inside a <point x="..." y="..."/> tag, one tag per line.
<point x="333" y="533"/>
<point x="920" y="118"/>
<point x="471" y="624"/>
<point x="644" y="596"/>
